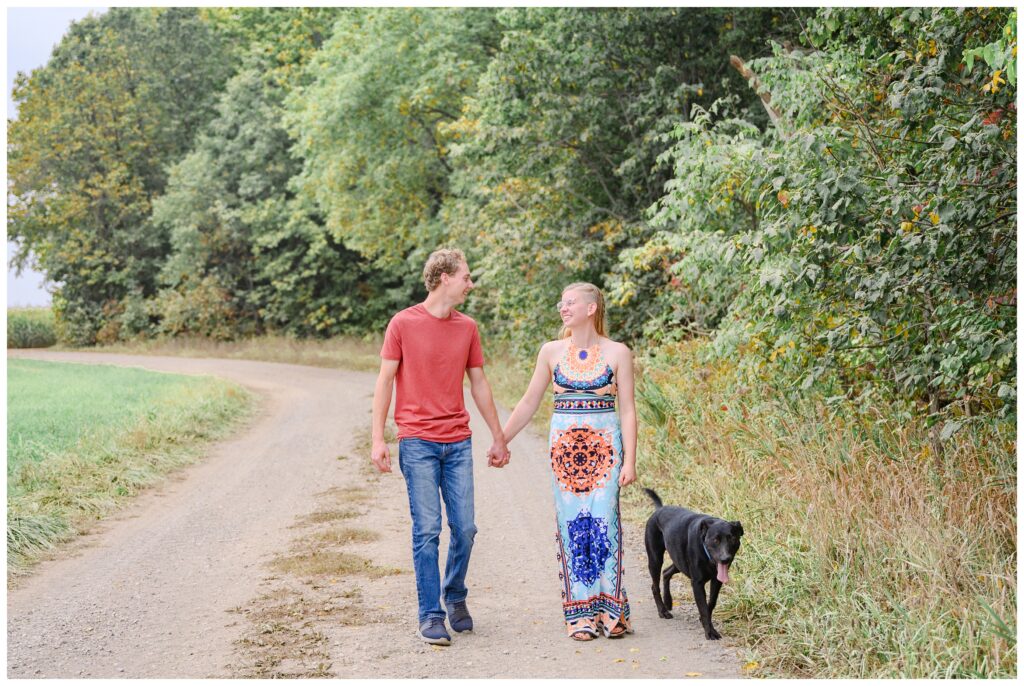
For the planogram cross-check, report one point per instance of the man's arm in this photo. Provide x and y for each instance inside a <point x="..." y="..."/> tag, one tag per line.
<point x="481" y="391"/>
<point x="381" y="404"/>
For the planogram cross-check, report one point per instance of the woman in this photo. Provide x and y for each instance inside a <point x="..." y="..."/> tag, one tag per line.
<point x="591" y="458"/>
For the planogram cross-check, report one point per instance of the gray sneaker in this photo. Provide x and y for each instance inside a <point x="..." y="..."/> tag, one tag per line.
<point x="458" y="617"/>
<point x="433" y="631"/>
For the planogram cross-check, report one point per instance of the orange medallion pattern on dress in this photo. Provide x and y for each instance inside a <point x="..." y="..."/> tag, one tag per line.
<point x="582" y="458"/>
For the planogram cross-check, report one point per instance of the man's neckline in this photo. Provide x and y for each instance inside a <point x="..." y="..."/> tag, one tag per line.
<point x="426" y="309"/>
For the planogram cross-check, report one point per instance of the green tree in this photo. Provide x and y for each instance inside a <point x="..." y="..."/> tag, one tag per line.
<point x="248" y="254"/>
<point x="558" y="153"/>
<point x="370" y="126"/>
<point x="287" y="36"/>
<point x="122" y="96"/>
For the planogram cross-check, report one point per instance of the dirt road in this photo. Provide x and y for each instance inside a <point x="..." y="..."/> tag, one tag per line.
<point x="181" y="582"/>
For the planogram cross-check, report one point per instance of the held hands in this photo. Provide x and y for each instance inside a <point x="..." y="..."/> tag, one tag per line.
<point x="498" y="454"/>
<point x="627" y="475"/>
<point x="381" y="456"/>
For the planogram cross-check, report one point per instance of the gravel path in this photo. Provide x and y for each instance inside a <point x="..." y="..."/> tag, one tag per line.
<point x="175" y="585"/>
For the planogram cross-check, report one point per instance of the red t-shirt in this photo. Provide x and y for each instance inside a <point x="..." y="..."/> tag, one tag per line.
<point x="433" y="356"/>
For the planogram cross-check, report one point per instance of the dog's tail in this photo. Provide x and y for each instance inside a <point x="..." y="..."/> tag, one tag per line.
<point x="654" y="497"/>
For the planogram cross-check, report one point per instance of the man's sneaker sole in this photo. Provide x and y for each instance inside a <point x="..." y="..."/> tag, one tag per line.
<point x="440" y="641"/>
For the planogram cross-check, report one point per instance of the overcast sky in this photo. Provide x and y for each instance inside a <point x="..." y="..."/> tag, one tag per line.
<point x="32" y="34"/>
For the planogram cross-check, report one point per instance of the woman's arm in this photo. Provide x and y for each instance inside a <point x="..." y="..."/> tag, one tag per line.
<point x="528" y="404"/>
<point x="627" y="415"/>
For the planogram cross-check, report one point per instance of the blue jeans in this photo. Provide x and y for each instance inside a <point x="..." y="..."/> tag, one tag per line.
<point x="430" y="468"/>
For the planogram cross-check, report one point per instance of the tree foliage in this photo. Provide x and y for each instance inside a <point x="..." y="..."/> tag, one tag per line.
<point x="369" y="127"/>
<point x="122" y="96"/>
<point x="248" y="254"/>
<point x="828" y="195"/>
<point x="557" y="154"/>
<point x="871" y="242"/>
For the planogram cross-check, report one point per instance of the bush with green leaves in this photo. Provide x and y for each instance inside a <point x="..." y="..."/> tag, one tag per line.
<point x="31" y="327"/>
<point x="686" y="276"/>
<point x="870" y="237"/>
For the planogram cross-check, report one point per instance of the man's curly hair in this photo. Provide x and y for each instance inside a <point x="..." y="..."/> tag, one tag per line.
<point x="442" y="261"/>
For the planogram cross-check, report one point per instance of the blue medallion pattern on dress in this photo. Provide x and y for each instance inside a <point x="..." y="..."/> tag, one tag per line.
<point x="588" y="543"/>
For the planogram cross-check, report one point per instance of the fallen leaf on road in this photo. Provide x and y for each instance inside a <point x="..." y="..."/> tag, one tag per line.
<point x="751" y="665"/>
<point x="694" y="674"/>
<point x="619" y="659"/>
<point x="634" y="650"/>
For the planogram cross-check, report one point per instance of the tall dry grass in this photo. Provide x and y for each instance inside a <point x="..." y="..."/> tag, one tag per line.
<point x="864" y="554"/>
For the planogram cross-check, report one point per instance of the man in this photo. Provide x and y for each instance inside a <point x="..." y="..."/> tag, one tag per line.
<point x="428" y="348"/>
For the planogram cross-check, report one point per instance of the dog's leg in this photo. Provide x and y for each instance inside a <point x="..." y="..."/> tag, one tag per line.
<point x="655" y="558"/>
<point x="705" y="614"/>
<point x="716" y="586"/>
<point x="666" y="593"/>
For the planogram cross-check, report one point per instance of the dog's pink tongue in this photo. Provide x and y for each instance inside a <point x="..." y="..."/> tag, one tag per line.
<point x="723" y="572"/>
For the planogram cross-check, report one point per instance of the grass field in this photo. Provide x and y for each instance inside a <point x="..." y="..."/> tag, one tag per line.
<point x="81" y="438"/>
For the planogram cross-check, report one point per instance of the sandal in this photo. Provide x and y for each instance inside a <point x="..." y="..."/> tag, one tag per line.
<point x="618" y="631"/>
<point x="582" y="636"/>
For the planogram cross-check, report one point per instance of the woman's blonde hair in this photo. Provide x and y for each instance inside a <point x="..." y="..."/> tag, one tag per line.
<point x="594" y="295"/>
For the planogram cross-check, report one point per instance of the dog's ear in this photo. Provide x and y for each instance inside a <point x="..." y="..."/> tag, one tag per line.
<point x="704" y="523"/>
<point x="737" y="528"/>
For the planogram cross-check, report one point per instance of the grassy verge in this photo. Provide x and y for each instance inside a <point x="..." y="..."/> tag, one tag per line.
<point x="30" y="327"/>
<point x="83" y="438"/>
<point x="864" y="555"/>
<point x="341" y="353"/>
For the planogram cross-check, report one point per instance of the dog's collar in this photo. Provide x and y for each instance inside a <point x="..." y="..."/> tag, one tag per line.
<point x="706" y="551"/>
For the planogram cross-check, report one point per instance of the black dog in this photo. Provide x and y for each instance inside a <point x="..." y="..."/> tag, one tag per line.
<point x="699" y="546"/>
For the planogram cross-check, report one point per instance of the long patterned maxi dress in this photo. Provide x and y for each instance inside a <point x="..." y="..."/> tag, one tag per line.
<point x="586" y="458"/>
